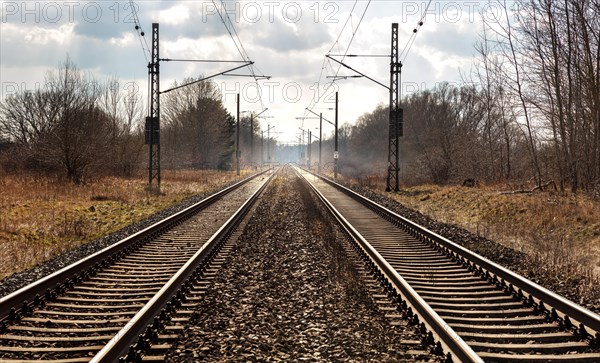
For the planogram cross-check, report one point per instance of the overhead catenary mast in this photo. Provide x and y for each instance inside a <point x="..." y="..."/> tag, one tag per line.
<point x="395" y="119"/>
<point x="152" y="127"/>
<point x="153" y="118"/>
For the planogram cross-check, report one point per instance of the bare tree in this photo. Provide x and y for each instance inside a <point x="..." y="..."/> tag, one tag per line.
<point x="553" y="53"/>
<point x="73" y="125"/>
<point x="197" y="129"/>
<point x="510" y="46"/>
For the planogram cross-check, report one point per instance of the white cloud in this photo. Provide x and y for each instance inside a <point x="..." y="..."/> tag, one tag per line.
<point x="125" y="40"/>
<point x="286" y="40"/>
<point x="175" y="15"/>
<point x="52" y="37"/>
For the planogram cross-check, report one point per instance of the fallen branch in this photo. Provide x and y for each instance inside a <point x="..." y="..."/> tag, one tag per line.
<point x="539" y="187"/>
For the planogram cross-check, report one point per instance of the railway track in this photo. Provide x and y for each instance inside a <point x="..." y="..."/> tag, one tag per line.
<point x="131" y="299"/>
<point x="477" y="310"/>
<point x="115" y="303"/>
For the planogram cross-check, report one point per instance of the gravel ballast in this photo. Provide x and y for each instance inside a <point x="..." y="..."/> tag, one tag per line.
<point x="288" y="292"/>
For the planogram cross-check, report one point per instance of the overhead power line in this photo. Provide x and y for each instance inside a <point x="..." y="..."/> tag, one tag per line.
<point x="140" y="32"/>
<point x="240" y="47"/>
<point x="413" y="36"/>
<point x="327" y="63"/>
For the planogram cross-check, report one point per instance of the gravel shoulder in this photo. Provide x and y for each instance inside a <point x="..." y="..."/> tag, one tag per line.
<point x="287" y="292"/>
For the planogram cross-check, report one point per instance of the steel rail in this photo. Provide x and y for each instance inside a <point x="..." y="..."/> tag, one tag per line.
<point x="118" y="346"/>
<point x="571" y="310"/>
<point x="21" y="299"/>
<point x="447" y="336"/>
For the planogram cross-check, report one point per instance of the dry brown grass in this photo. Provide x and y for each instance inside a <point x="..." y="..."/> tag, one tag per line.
<point x="560" y="232"/>
<point x="40" y="218"/>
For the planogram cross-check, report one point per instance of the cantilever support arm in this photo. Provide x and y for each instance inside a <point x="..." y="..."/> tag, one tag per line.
<point x="319" y="116"/>
<point x="209" y="77"/>
<point x="355" y="71"/>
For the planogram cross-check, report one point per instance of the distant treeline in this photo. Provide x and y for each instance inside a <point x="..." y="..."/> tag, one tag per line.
<point x="529" y="111"/>
<point x="78" y="128"/>
<point x="75" y="126"/>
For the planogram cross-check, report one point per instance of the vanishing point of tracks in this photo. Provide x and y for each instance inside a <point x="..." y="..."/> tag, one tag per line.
<point x="116" y="303"/>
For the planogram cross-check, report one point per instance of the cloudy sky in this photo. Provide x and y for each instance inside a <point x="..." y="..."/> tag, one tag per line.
<point x="287" y="40"/>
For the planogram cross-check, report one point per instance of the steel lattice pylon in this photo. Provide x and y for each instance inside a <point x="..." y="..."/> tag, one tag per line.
<point x="153" y="119"/>
<point x="395" y="120"/>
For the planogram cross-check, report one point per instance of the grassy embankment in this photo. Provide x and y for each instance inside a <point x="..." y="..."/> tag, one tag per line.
<point x="41" y="218"/>
<point x="559" y="233"/>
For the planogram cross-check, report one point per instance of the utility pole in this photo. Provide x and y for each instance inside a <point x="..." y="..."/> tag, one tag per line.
<point x="152" y="124"/>
<point x="269" y="144"/>
<point x="262" y="144"/>
<point x="321" y="119"/>
<point x="251" y="137"/>
<point x="336" y="154"/>
<point x="309" y="148"/>
<point x="320" y="140"/>
<point x="396" y="115"/>
<point x="304" y="153"/>
<point x="153" y="118"/>
<point x="262" y="148"/>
